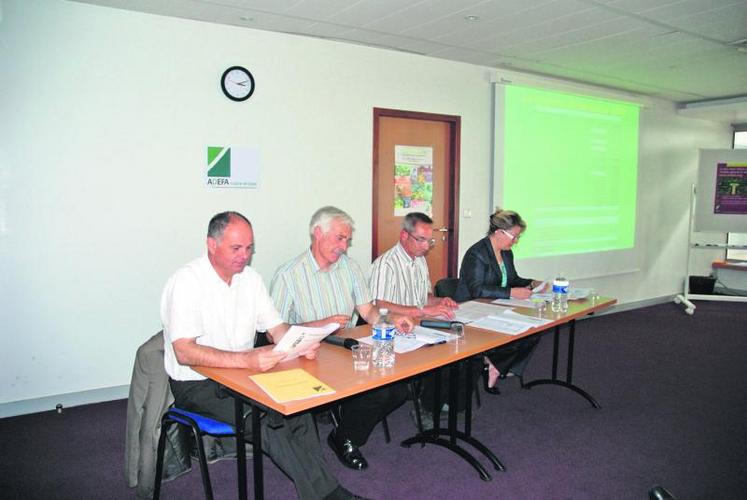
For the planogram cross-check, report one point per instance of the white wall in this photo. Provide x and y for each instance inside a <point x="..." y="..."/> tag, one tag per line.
<point x="106" y="115"/>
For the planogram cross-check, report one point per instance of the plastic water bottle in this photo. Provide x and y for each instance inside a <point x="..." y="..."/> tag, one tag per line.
<point x="382" y="354"/>
<point x="560" y="295"/>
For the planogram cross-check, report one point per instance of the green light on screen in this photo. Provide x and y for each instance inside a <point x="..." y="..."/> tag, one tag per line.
<point x="570" y="166"/>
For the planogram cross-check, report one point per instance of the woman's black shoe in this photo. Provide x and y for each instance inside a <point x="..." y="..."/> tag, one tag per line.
<point x="490" y="390"/>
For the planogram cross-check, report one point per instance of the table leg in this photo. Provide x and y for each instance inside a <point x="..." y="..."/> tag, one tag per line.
<point x="257" y="453"/>
<point x="568" y="382"/>
<point x="448" y="437"/>
<point x="240" y="446"/>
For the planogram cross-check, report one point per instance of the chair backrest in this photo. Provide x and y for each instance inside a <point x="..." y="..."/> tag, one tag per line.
<point x="446" y="287"/>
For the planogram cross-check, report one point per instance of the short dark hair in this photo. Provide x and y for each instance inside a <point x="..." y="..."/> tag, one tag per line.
<point x="412" y="219"/>
<point x="219" y="222"/>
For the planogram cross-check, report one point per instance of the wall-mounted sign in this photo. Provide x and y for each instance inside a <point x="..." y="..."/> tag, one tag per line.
<point x="232" y="167"/>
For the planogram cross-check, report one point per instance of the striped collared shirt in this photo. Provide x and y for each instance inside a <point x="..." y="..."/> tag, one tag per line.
<point x="303" y="292"/>
<point x="396" y="277"/>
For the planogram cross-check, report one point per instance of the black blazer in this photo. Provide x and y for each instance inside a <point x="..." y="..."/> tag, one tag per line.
<point x="480" y="276"/>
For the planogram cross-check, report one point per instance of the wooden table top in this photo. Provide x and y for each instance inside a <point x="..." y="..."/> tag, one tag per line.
<point x="334" y="365"/>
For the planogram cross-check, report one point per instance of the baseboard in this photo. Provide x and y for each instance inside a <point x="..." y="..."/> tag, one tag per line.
<point x="637" y="304"/>
<point x="49" y="403"/>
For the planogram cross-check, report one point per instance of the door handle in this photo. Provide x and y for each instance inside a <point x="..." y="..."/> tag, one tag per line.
<point x="443" y="231"/>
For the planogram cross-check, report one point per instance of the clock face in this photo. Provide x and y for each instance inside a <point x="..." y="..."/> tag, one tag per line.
<point x="237" y="83"/>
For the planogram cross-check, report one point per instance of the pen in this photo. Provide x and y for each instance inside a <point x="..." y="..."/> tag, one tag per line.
<point x="436" y="343"/>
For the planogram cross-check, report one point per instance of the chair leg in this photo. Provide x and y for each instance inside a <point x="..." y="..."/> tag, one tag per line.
<point x="203" y="464"/>
<point x="165" y="423"/>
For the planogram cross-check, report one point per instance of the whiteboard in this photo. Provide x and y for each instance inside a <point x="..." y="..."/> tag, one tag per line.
<point x="706" y="220"/>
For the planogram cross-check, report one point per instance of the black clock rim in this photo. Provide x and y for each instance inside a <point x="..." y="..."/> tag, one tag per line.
<point x="223" y="83"/>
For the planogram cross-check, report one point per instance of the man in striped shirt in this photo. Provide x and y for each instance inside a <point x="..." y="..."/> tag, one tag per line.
<point x="399" y="277"/>
<point x="321" y="286"/>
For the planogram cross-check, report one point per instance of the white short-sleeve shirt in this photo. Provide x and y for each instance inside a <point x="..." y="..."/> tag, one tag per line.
<point x="197" y="303"/>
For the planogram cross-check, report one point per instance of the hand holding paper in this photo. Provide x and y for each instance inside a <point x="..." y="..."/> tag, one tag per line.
<point x="299" y="340"/>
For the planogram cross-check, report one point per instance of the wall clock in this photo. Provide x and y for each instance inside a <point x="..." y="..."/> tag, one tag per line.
<point x="237" y="83"/>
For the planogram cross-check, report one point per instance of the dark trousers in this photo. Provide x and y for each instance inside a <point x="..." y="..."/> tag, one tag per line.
<point x="291" y="442"/>
<point x="514" y="356"/>
<point x="360" y="414"/>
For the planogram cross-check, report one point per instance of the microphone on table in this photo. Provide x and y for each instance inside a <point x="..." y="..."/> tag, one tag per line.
<point x="435" y="323"/>
<point x="340" y="341"/>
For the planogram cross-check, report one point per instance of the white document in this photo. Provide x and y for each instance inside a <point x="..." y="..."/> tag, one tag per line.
<point x="298" y="339"/>
<point x="539" y="287"/>
<point x="473" y="310"/>
<point x="530" y="320"/>
<point x="431" y="336"/>
<point x="513" y="303"/>
<point x="502" y="324"/>
<point x="510" y="323"/>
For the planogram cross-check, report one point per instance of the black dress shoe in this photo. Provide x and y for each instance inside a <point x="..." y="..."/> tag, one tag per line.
<point x="348" y="453"/>
<point x="490" y="390"/>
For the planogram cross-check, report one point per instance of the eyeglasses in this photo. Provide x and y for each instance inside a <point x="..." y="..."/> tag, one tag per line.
<point x="511" y="236"/>
<point x="422" y="239"/>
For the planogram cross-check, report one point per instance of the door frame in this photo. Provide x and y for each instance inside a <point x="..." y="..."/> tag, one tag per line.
<point x="455" y="126"/>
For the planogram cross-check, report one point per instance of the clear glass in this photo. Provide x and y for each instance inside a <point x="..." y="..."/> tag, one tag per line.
<point x="457" y="329"/>
<point x="361" y="356"/>
<point x="540" y="307"/>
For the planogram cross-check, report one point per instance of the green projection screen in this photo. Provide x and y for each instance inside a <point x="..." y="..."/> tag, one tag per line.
<point x="568" y="164"/>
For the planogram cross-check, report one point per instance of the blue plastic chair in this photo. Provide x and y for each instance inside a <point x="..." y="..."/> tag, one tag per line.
<point x="200" y="426"/>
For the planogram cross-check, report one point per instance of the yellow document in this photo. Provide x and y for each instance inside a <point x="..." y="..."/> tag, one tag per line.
<point x="290" y="385"/>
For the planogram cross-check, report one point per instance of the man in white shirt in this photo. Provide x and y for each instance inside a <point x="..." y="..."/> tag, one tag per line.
<point x="211" y="309"/>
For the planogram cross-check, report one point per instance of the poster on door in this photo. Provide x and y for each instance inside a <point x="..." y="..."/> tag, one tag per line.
<point x="731" y="189"/>
<point x="413" y="180"/>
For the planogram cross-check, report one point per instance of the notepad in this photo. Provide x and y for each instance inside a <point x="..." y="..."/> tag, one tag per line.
<point x="291" y="385"/>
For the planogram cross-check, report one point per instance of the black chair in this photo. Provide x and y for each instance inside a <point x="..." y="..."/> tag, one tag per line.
<point x="446" y="287"/>
<point x="200" y="426"/>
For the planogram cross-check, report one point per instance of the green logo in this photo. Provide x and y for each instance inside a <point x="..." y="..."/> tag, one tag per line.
<point x="219" y="161"/>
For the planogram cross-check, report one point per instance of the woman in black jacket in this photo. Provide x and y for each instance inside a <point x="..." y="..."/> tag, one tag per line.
<point x="488" y="272"/>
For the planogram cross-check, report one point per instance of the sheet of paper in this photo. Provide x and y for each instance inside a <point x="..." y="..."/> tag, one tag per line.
<point x="539" y="287"/>
<point x="530" y="320"/>
<point x="291" y="385"/>
<point x="513" y="303"/>
<point x="502" y="324"/>
<point x="401" y="344"/>
<point x="432" y="336"/>
<point x="473" y="310"/>
<point x="298" y="339"/>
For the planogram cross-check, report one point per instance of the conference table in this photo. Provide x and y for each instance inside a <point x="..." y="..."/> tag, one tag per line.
<point x="334" y="367"/>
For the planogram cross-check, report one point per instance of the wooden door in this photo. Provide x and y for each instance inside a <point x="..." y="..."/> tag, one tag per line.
<point x="437" y="135"/>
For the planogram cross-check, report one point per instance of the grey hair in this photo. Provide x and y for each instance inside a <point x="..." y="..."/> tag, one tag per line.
<point x="505" y="219"/>
<point x="324" y="217"/>
<point x="219" y="222"/>
<point x="413" y="219"/>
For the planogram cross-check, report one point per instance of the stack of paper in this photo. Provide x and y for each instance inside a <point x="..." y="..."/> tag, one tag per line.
<point x="290" y="385"/>
<point x="298" y="339"/>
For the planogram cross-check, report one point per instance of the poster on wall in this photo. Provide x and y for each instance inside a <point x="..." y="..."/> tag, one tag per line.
<point x="731" y="189"/>
<point x="232" y="167"/>
<point x="413" y="180"/>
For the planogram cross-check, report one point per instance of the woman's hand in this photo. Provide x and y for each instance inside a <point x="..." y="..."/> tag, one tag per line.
<point x="521" y="293"/>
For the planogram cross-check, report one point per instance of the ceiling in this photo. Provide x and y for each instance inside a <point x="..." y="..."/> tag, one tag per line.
<point x="680" y="50"/>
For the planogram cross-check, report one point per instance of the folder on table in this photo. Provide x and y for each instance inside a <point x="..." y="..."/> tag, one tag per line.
<point x="290" y="385"/>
